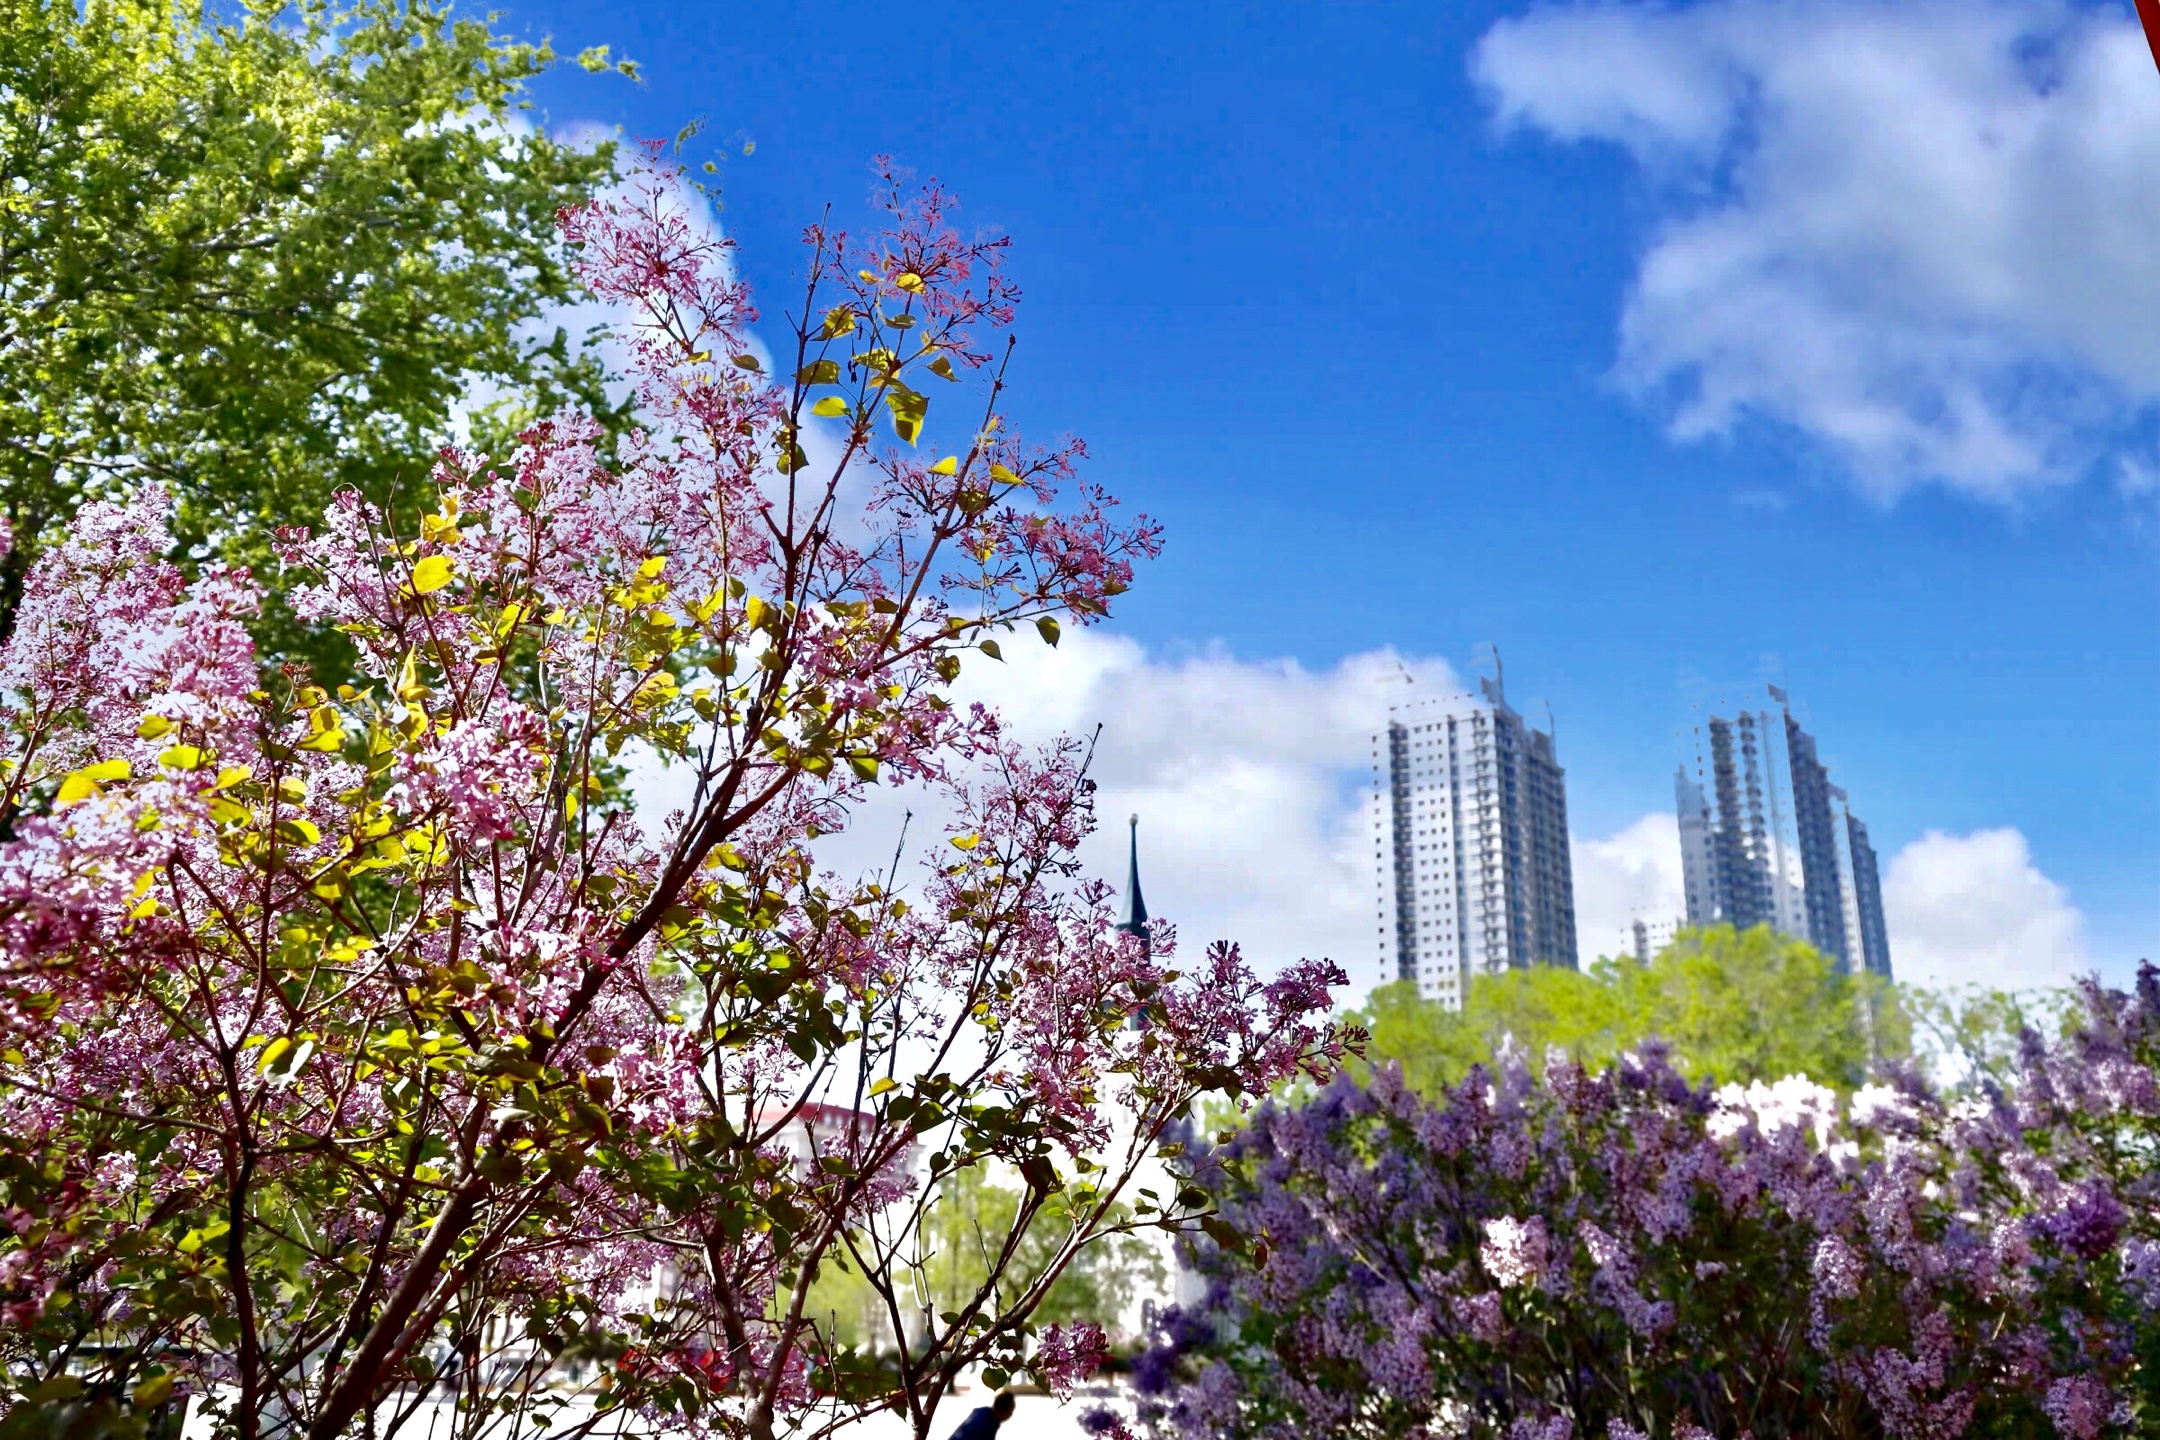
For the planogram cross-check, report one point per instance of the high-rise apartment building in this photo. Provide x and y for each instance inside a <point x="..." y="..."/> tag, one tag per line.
<point x="1765" y="838"/>
<point x="1652" y="937"/>
<point x="1470" y="843"/>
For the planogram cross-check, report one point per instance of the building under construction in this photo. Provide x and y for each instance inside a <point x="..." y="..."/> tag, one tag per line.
<point x="1470" y="843"/>
<point x="1765" y="838"/>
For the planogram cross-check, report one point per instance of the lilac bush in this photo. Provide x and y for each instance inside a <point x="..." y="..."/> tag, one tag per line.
<point x="1625" y="1255"/>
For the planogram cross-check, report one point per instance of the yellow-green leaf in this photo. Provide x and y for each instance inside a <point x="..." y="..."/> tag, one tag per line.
<point x="89" y="780"/>
<point x="829" y="407"/>
<point x="153" y="726"/>
<point x="966" y="842"/>
<point x="990" y="648"/>
<point x="909" y="281"/>
<point x="882" y="1084"/>
<point x="908" y="408"/>
<point x="1048" y="627"/>
<point x="942" y="368"/>
<point x="950" y="465"/>
<point x="432" y="574"/>
<point x="748" y="362"/>
<point x="181" y="757"/>
<point x="271" y="1052"/>
<point x="838" y="321"/>
<point x="326" y="733"/>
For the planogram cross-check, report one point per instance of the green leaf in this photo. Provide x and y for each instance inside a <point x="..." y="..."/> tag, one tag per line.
<point x="748" y="362"/>
<point x="153" y="1392"/>
<point x="942" y="368"/>
<point x="153" y="726"/>
<point x="432" y="574"/>
<point x="990" y="648"/>
<point x="1047" y="626"/>
<point x="819" y="372"/>
<point x="995" y="1378"/>
<point x="1222" y="1232"/>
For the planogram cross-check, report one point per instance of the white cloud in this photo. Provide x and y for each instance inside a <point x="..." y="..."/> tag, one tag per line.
<point x="1918" y="233"/>
<point x="1632" y="875"/>
<point x="1974" y="910"/>
<point x="1252" y="781"/>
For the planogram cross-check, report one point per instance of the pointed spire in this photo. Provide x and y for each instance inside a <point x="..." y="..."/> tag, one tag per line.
<point x="1132" y="914"/>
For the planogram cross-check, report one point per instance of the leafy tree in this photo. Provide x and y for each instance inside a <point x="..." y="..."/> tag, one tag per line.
<point x="1732" y="1005"/>
<point x="1758" y="1005"/>
<point x="966" y="1227"/>
<point x="975" y="1215"/>
<point x="259" y="253"/>
<point x="357" y="1046"/>
<point x="1977" y="1035"/>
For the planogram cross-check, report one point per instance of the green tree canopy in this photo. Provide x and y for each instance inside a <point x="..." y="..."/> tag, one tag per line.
<point x="260" y="252"/>
<point x="962" y="1235"/>
<point x="1733" y="1005"/>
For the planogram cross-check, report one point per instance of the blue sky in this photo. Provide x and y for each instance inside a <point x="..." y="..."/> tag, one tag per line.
<point x="1646" y="343"/>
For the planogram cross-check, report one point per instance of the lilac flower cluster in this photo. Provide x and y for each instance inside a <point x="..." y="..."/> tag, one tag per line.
<point x="1625" y="1255"/>
<point x="357" y="1035"/>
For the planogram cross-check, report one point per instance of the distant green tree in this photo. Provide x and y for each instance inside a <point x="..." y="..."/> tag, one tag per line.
<point x="974" y="1216"/>
<point x="1732" y="1005"/>
<point x="1974" y="1034"/>
<point x="1757" y="1005"/>
<point x="261" y="251"/>
<point x="963" y="1234"/>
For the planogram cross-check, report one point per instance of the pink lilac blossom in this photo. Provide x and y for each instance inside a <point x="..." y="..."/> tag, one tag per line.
<point x="1068" y="1354"/>
<point x="393" y="935"/>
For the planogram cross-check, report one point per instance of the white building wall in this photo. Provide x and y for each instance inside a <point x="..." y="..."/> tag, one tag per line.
<point x="1443" y="837"/>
